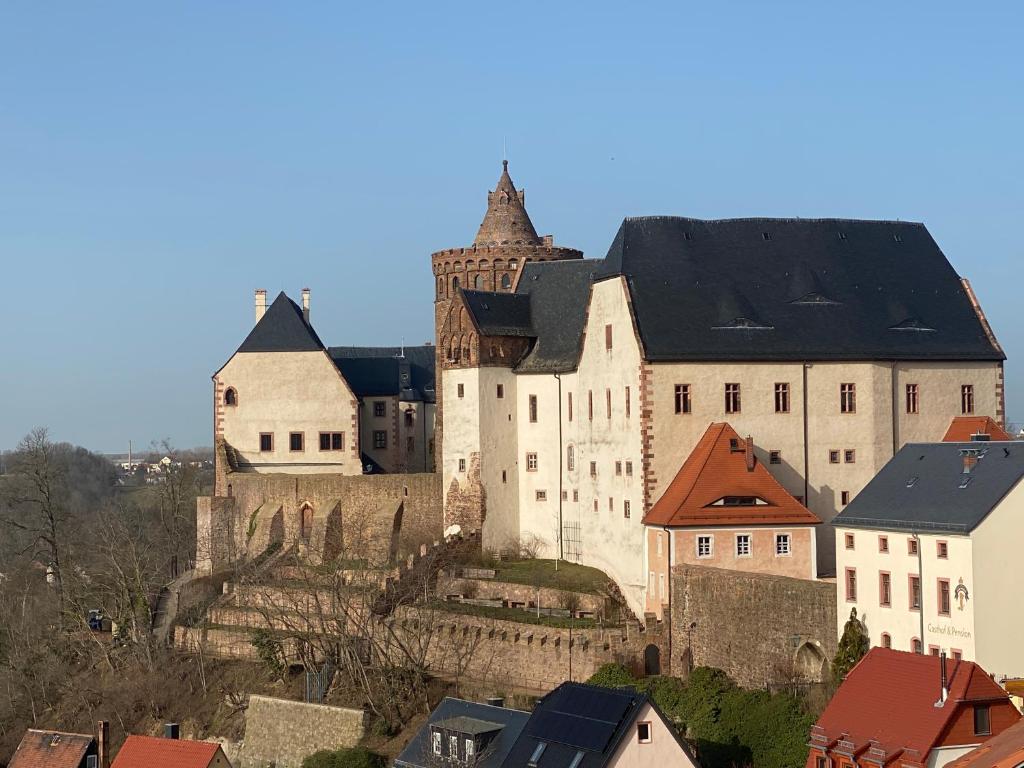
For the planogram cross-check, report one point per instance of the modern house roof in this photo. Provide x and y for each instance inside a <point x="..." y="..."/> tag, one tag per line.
<point x="148" y="752"/>
<point x="406" y="372"/>
<point x="52" y="749"/>
<point x="924" y="487"/>
<point x="890" y="698"/>
<point x="717" y="486"/>
<point x="964" y="429"/>
<point x="1005" y="750"/>
<point x="283" y="328"/>
<point x="470" y="718"/>
<point x="799" y="289"/>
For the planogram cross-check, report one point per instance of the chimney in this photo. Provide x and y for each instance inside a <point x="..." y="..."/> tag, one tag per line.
<point x="750" y="453"/>
<point x="496" y="701"/>
<point x="305" y="304"/>
<point x="261" y="303"/>
<point x="970" y="458"/>
<point x="171" y="731"/>
<point x="943" y="681"/>
<point x="103" y="744"/>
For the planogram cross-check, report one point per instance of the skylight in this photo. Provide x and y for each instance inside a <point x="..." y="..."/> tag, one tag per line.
<point x="535" y="757"/>
<point x="576" y="759"/>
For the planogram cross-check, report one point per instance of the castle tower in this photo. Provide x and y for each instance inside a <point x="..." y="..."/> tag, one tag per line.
<point x="505" y="241"/>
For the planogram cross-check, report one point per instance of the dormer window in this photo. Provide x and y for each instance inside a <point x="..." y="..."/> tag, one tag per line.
<point x="435" y="740"/>
<point x="230" y="396"/>
<point x="740" y="501"/>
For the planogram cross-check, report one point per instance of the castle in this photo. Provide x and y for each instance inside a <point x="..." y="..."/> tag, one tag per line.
<point x="575" y="394"/>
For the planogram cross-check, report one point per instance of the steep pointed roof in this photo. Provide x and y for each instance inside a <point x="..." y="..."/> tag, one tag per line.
<point x="506" y="220"/>
<point x="714" y="478"/>
<point x="282" y="329"/>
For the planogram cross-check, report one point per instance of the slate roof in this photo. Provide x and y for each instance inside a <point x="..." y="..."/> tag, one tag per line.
<point x="963" y="428"/>
<point x="52" y="749"/>
<point x="717" y="468"/>
<point x="149" y="752"/>
<point x="282" y="329"/>
<point x="816" y="289"/>
<point x="499" y="314"/>
<point x="417" y="753"/>
<point x="923" y="487"/>
<point x="889" y="696"/>
<point x="1005" y="750"/>
<point x="393" y="371"/>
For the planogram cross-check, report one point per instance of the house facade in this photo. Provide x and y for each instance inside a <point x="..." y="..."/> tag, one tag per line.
<point x="923" y="553"/>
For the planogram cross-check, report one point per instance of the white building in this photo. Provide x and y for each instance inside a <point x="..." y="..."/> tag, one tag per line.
<point x="928" y="554"/>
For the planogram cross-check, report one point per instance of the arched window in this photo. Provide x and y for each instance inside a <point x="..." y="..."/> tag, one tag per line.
<point x="306" y="522"/>
<point x="886" y="640"/>
<point x="915" y="646"/>
<point x="506" y="281"/>
<point x="455" y="282"/>
<point x="478" y="282"/>
<point x="440" y="286"/>
<point x="410" y="416"/>
<point x="230" y="396"/>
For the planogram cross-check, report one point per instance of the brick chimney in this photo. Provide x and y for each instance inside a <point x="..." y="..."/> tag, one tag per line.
<point x="103" y="744"/>
<point x="305" y="304"/>
<point x="261" y="303"/>
<point x="970" y="459"/>
<point x="749" y="450"/>
<point x="172" y="731"/>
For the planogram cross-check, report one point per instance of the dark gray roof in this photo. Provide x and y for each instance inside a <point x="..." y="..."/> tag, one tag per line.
<point x="388" y="371"/>
<point x="417" y="753"/>
<point x="923" y="488"/>
<point x="469" y="725"/>
<point x="499" y="314"/>
<point x="282" y="329"/>
<point x="578" y="719"/>
<point x="794" y="289"/>
<point x="558" y="292"/>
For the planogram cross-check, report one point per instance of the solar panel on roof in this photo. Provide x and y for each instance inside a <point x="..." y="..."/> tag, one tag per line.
<point x="609" y="706"/>
<point x="578" y="732"/>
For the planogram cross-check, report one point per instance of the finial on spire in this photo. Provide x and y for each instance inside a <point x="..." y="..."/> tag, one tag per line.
<point x="504" y="165"/>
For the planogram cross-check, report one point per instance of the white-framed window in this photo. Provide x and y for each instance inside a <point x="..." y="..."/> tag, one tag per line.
<point x="705" y="545"/>
<point x="743" y="545"/>
<point x="783" y="545"/>
<point x="531" y="462"/>
<point x="659" y="545"/>
<point x="469" y="749"/>
<point x="542" y="495"/>
<point x="643" y="733"/>
<point x="453" y="747"/>
<point x="435" y="739"/>
<point x="462" y="465"/>
<point x="661" y="585"/>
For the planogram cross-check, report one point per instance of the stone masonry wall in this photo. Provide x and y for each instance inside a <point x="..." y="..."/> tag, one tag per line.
<point x="282" y="733"/>
<point x="759" y="629"/>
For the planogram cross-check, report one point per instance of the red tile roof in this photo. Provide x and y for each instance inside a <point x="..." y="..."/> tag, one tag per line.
<point x="150" y="752"/>
<point x="889" y="697"/>
<point x="51" y="749"/>
<point x="962" y="427"/>
<point x="1006" y="750"/>
<point x="715" y="469"/>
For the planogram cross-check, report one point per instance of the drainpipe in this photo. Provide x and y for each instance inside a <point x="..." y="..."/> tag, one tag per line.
<point x="668" y="537"/>
<point x="895" y="411"/>
<point x="561" y="549"/>
<point x="807" y="498"/>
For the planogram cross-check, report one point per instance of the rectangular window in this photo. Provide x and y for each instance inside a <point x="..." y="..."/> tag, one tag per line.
<point x="625" y="509"/>
<point x="967" y="399"/>
<point x="956" y="654"/>
<point x="569" y="406"/>
<point x="611" y="504"/>
<point x="595" y="505"/>
<point x="643" y="733"/>
<point x="618" y="469"/>
<point x="732" y="398"/>
<point x="848" y="398"/>
<point x="296" y="441"/>
<point x="435" y="740"/>
<point x="844" y="498"/>
<point x="912" y="547"/>
<point x="504" y="476"/>
<point x="933" y="650"/>
<point x="742" y="545"/>
<point x="661" y="585"/>
<point x="705" y="546"/>
<point x="461" y="389"/>
<point x="470" y="750"/>
<point x="783" y="545"/>
<point x="628" y="406"/>
<point x="782" y="398"/>
<point x="501" y="391"/>
<point x="820" y="762"/>
<point x="542" y="495"/>
<point x="849" y="540"/>
<point x="915" y="593"/>
<point x="453" y="747"/>
<point x="883" y="543"/>
<point x="850" y="456"/>
<point x="608" y="402"/>
<point x="380" y="408"/>
<point x="911" y="398"/>
<point x="332" y="441"/>
<point x="683" y="403"/>
<point x="944" y="597"/>
<point x="590" y="404"/>
<point x="942" y="550"/>
<point x="629" y="469"/>
<point x="659" y="545"/>
<point x="533" y="409"/>
<point x="380" y="438"/>
<point x="531" y="462"/>
<point x="982" y="721"/>
<point x="570" y="458"/>
<point x="266" y="442"/>
<point x="851" y="585"/>
<point x="774" y="457"/>
<point x="593" y="469"/>
<point x="608" y="337"/>
<point x="884" y="589"/>
<point x="462" y="467"/>
<point x="833" y="457"/>
<point x="575" y="494"/>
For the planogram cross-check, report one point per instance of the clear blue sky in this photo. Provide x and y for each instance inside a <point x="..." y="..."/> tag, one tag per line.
<point x="158" y="161"/>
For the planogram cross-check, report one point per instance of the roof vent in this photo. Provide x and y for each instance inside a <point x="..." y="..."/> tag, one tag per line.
<point x="842" y="235"/>
<point x="964" y="482"/>
<point x="766" y="235"/>
<point x="687" y="236"/>
<point x="912" y="482"/>
<point x="898" y="238"/>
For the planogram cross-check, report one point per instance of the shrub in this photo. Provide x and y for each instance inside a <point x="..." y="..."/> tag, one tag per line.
<point x="356" y="757"/>
<point x="612" y="676"/>
<point x="852" y="647"/>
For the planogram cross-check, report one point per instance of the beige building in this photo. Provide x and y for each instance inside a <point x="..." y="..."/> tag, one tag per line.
<point x="926" y="554"/>
<point x="574" y="393"/>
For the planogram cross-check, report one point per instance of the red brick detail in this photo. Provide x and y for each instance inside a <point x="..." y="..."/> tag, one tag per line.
<point x="647" y="433"/>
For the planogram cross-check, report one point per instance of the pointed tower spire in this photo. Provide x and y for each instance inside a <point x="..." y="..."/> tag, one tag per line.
<point x="506" y="220"/>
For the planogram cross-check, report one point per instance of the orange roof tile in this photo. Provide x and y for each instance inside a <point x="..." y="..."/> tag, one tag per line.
<point x="1006" y="750"/>
<point x="962" y="427"/>
<point x="715" y="469"/>
<point x="151" y="752"/>
<point x="51" y="749"/>
<point x="889" y="697"/>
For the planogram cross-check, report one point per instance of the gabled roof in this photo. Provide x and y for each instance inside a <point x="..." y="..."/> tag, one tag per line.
<point x="889" y="697"/>
<point x="282" y="329"/>
<point x="406" y="372"/>
<point x="558" y="291"/>
<point x="150" y="752"/>
<point x="794" y="289"/>
<point x="1006" y="750"/>
<point x="963" y="429"/>
<point x="506" y="220"/>
<point x="52" y="749"/>
<point x="715" y="470"/>
<point x="923" y="487"/>
<point x="499" y="314"/>
<point x="456" y="713"/>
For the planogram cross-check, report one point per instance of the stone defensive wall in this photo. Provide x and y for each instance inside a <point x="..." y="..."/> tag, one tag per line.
<point x="282" y="733"/>
<point x="760" y="629"/>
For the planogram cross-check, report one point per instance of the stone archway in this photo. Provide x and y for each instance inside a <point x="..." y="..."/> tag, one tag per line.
<point x="810" y="663"/>
<point x="652" y="660"/>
